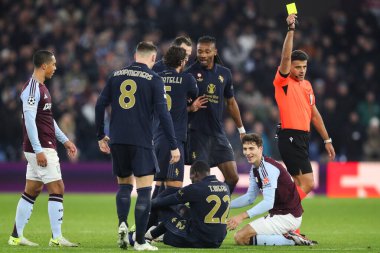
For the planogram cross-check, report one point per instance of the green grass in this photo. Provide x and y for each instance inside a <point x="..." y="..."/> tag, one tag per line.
<point x="339" y="225"/>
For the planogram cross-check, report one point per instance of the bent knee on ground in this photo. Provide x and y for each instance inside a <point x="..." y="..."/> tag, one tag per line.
<point x="240" y="239"/>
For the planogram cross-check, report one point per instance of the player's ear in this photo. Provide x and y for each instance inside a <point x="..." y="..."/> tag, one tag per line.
<point x="153" y="57"/>
<point x="215" y="52"/>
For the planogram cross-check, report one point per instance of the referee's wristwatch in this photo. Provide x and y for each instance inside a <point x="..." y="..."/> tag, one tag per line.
<point x="329" y="140"/>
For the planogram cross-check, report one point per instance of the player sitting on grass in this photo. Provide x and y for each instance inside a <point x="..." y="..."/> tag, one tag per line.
<point x="280" y="199"/>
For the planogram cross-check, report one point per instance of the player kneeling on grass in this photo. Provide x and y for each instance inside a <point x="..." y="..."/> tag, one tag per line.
<point x="280" y="199"/>
<point x="203" y="223"/>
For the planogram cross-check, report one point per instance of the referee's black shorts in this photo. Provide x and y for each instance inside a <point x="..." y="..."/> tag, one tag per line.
<point x="294" y="149"/>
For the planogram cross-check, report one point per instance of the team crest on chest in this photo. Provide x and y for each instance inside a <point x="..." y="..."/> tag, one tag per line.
<point x="199" y="77"/>
<point x="221" y="78"/>
<point x="211" y="88"/>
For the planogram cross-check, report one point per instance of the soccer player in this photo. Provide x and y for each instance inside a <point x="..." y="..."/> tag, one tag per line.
<point x="203" y="224"/>
<point x="134" y="93"/>
<point x="296" y="102"/>
<point x="207" y="139"/>
<point x="181" y="41"/>
<point x="280" y="198"/>
<point x="43" y="168"/>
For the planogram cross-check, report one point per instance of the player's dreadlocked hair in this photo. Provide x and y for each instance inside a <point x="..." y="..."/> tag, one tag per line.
<point x="174" y="56"/>
<point x="42" y="57"/>
<point x="212" y="40"/>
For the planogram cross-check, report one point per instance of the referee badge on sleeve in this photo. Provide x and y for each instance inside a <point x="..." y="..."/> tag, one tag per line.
<point x="31" y="100"/>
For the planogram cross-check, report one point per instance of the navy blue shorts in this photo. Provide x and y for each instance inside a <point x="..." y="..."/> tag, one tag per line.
<point x="212" y="149"/>
<point x="178" y="234"/>
<point x="294" y="149"/>
<point x="130" y="159"/>
<point x="168" y="172"/>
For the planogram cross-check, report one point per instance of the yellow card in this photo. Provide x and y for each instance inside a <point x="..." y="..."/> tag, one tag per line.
<point x="292" y="9"/>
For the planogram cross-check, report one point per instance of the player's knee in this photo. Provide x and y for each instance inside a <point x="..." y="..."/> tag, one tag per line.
<point x="239" y="239"/>
<point x="307" y="185"/>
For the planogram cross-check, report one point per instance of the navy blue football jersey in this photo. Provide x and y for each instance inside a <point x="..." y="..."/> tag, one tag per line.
<point x="134" y="94"/>
<point x="159" y="66"/>
<point x="209" y="202"/>
<point x="179" y="87"/>
<point x="216" y="84"/>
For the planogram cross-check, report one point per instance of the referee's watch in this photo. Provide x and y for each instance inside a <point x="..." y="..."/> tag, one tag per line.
<point x="328" y="141"/>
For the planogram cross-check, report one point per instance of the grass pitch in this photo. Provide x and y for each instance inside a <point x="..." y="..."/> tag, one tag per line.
<point x="339" y="225"/>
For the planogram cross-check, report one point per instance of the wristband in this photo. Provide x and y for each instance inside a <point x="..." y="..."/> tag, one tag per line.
<point x="241" y="130"/>
<point x="328" y="141"/>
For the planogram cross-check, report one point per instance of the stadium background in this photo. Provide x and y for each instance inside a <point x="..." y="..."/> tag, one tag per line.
<point x="92" y="38"/>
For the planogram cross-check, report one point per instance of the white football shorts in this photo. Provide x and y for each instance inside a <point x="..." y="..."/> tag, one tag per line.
<point x="50" y="173"/>
<point x="276" y="225"/>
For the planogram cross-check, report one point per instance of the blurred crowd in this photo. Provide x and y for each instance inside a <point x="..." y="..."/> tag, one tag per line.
<point x="92" y="38"/>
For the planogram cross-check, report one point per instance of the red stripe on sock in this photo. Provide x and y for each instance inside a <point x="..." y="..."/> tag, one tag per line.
<point x="301" y="192"/>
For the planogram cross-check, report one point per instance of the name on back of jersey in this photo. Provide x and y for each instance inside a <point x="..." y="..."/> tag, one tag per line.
<point x="172" y="79"/>
<point x="135" y="73"/>
<point x="217" y="188"/>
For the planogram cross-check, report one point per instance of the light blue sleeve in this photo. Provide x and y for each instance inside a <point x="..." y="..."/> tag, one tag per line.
<point x="30" y="99"/>
<point x="269" y="177"/>
<point x="61" y="137"/>
<point x="250" y="196"/>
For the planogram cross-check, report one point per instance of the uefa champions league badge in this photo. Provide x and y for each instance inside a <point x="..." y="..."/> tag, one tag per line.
<point x="199" y="77"/>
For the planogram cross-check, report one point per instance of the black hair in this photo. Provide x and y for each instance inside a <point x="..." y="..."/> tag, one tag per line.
<point x="207" y="39"/>
<point x="174" y="56"/>
<point x="201" y="167"/>
<point x="42" y="57"/>
<point x="182" y="40"/>
<point x="146" y="47"/>
<point x="299" y="55"/>
<point x="253" y="138"/>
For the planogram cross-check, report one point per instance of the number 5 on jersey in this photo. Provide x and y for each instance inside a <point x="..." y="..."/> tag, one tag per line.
<point x="168" y="98"/>
<point x="127" y="93"/>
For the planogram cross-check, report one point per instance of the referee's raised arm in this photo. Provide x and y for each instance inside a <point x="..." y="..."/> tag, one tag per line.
<point x="288" y="45"/>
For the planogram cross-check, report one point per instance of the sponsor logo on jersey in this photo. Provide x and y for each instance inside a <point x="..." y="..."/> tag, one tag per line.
<point x="211" y="88"/>
<point x="47" y="106"/>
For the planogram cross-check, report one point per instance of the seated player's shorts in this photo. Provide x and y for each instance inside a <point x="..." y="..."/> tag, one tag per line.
<point x="212" y="149"/>
<point x="294" y="149"/>
<point x="130" y="159"/>
<point x="48" y="174"/>
<point x="276" y="224"/>
<point x="171" y="172"/>
<point x="178" y="234"/>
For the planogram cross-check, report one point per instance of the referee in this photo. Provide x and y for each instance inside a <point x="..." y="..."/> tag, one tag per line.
<point x="296" y="102"/>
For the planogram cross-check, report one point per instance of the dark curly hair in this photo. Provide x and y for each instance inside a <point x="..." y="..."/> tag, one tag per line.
<point x="174" y="56"/>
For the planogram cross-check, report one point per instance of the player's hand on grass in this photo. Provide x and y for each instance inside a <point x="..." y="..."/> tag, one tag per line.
<point x="330" y="151"/>
<point x="41" y="159"/>
<point x="71" y="149"/>
<point x="103" y="145"/>
<point x="199" y="103"/>
<point x="175" y="155"/>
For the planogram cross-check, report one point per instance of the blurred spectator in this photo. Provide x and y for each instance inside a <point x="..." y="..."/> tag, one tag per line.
<point x="372" y="144"/>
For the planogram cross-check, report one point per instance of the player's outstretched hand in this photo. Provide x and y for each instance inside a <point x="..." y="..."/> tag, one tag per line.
<point x="41" y="159"/>
<point x="175" y="155"/>
<point x="103" y="145"/>
<point x="330" y="151"/>
<point x="71" y="149"/>
<point x="199" y="103"/>
<point x="234" y="222"/>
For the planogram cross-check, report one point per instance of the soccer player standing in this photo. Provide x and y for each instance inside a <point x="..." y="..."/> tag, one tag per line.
<point x="207" y="139"/>
<point x="280" y="198"/>
<point x="296" y="102"/>
<point x="181" y="41"/>
<point x="134" y="93"/>
<point x="40" y="134"/>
